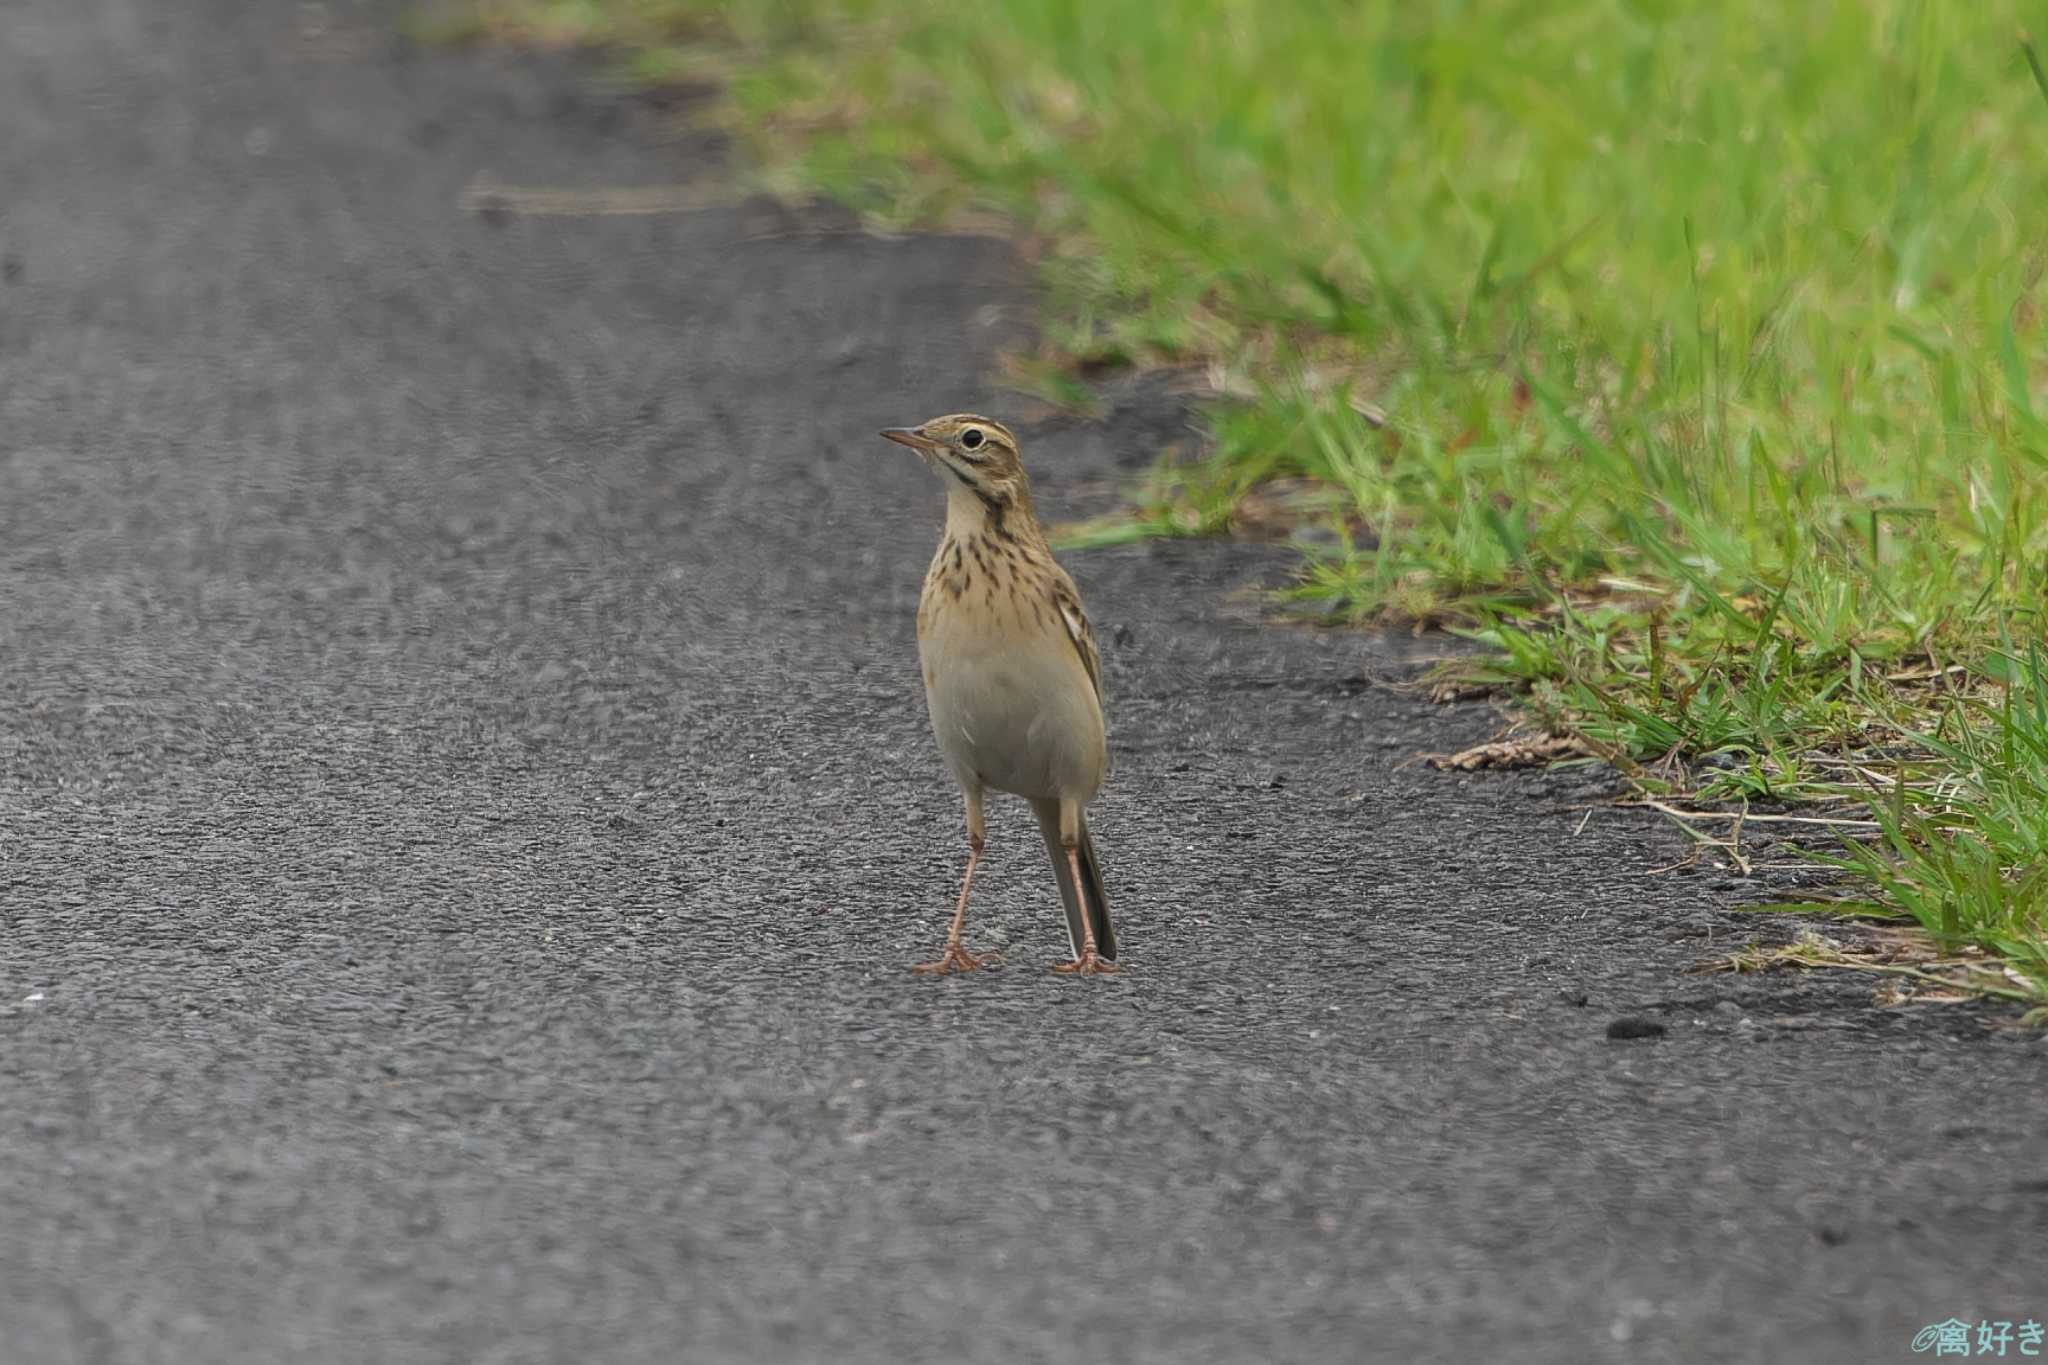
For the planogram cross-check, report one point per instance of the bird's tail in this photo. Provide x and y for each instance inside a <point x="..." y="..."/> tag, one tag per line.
<point x="1088" y="898"/>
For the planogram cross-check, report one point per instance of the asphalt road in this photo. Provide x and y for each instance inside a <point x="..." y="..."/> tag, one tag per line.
<point x="466" y="812"/>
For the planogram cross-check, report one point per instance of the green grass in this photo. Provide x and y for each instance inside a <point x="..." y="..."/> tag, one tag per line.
<point x="1689" y="356"/>
<point x="1964" y="847"/>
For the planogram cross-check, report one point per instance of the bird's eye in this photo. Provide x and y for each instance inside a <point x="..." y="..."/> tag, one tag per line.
<point x="971" y="438"/>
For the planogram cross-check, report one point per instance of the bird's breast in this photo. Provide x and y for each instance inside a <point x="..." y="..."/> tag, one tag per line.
<point x="1011" y="704"/>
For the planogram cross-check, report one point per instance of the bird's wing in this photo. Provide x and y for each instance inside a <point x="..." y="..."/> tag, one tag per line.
<point x="1067" y="599"/>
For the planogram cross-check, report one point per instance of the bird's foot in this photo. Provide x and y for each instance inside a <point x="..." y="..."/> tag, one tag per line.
<point x="1089" y="963"/>
<point x="957" y="958"/>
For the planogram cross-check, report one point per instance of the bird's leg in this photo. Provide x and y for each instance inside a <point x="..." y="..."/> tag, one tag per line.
<point x="956" y="955"/>
<point x="1089" y="963"/>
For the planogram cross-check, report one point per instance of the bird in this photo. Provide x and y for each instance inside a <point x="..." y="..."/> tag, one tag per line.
<point x="1012" y="676"/>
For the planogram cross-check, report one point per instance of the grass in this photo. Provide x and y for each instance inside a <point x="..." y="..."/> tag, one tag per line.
<point x="1688" y="357"/>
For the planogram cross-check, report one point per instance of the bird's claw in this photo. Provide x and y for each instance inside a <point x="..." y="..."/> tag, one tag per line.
<point x="957" y="958"/>
<point x="1089" y="963"/>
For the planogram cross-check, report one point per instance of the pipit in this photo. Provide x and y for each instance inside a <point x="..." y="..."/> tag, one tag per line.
<point x="1011" y="674"/>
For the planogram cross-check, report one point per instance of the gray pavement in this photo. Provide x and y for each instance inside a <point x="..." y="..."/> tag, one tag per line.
<point x="466" y="812"/>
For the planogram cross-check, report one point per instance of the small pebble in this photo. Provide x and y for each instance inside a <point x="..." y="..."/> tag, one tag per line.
<point x="1635" y="1026"/>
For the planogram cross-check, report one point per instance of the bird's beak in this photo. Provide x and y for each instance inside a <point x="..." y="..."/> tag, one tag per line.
<point x="909" y="436"/>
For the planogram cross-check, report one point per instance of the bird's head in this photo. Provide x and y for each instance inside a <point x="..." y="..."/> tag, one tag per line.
<point x="971" y="453"/>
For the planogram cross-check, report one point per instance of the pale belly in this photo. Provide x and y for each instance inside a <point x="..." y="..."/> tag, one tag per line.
<point x="1017" y="719"/>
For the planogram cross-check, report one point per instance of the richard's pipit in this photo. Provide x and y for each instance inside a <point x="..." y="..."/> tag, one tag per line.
<point x="1010" y="673"/>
